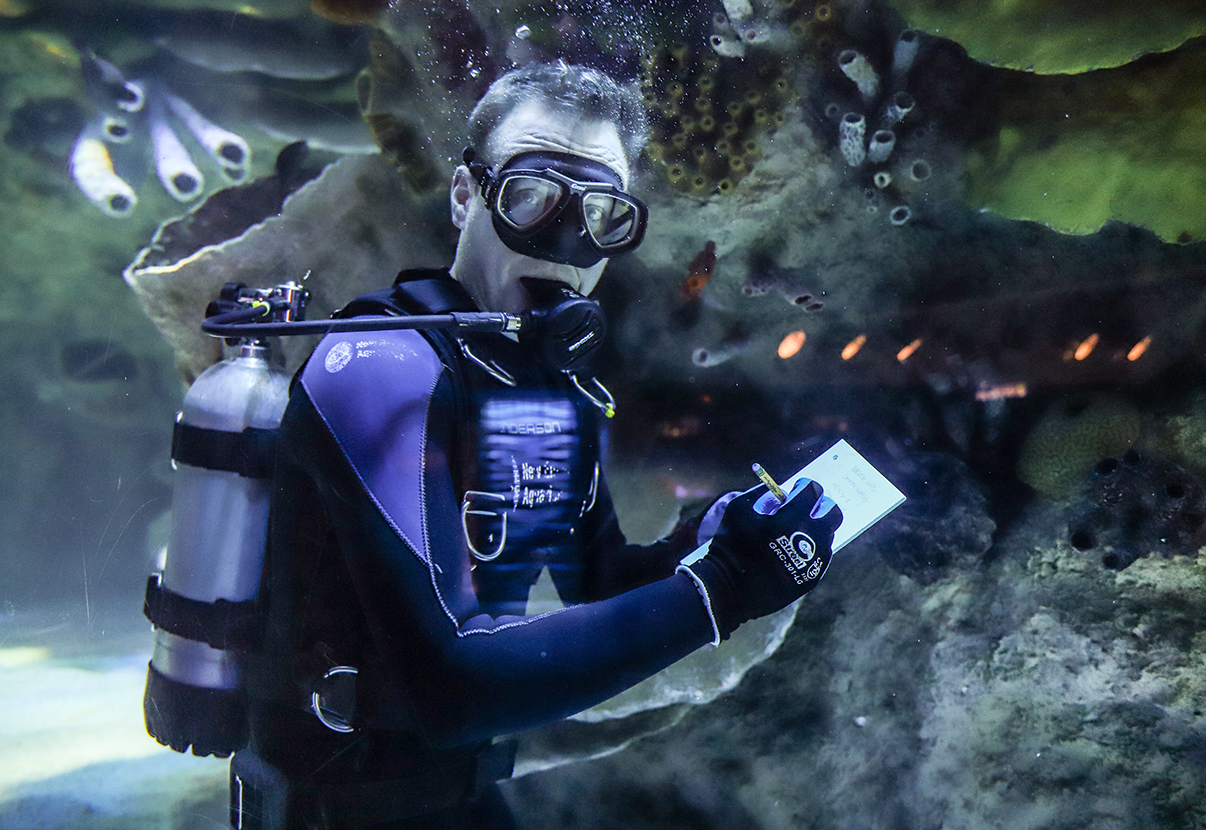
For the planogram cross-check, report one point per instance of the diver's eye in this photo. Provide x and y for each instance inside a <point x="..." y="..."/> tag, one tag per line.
<point x="610" y="220"/>
<point x="594" y="215"/>
<point x="525" y="201"/>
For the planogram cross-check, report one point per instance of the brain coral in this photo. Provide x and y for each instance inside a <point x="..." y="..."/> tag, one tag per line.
<point x="1071" y="437"/>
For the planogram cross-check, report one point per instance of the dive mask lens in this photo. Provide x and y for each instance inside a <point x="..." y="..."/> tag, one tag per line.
<point x="613" y="220"/>
<point x="527" y="201"/>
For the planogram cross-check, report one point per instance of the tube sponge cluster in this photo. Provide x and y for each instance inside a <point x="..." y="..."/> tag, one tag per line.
<point x="872" y="117"/>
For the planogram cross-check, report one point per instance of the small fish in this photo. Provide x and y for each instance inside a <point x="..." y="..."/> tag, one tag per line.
<point x="698" y="273"/>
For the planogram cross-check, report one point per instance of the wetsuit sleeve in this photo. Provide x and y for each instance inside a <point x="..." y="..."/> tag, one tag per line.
<point x="369" y="423"/>
<point x="612" y="566"/>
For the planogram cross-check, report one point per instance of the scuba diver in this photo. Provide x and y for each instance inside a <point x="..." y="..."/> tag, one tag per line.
<point x="424" y="481"/>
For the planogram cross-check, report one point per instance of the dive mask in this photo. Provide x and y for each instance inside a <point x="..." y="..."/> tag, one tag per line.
<point x="560" y="208"/>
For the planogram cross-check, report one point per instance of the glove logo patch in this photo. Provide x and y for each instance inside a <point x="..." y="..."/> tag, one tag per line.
<point x="803" y="545"/>
<point x="796" y="553"/>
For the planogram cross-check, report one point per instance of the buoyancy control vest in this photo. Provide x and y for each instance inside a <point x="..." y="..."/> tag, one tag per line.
<point x="528" y="472"/>
<point x="526" y="454"/>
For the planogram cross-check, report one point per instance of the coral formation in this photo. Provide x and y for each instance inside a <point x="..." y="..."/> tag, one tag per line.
<point x="133" y="114"/>
<point x="1034" y="691"/>
<point x="714" y="102"/>
<point x="708" y="114"/>
<point x="1045" y="36"/>
<point x="345" y="229"/>
<point x="1073" y="436"/>
<point x="1140" y="504"/>
<point x="1075" y="151"/>
<point x="886" y="99"/>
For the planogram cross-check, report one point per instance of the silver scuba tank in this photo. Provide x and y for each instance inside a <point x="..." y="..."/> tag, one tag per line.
<point x="202" y="603"/>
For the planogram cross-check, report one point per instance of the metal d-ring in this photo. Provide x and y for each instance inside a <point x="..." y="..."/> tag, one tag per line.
<point x="466" y="512"/>
<point x="607" y="403"/>
<point x="341" y="723"/>
<point x="489" y="366"/>
<point x="594" y="492"/>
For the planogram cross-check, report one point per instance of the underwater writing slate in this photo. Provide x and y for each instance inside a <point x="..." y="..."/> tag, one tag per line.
<point x="859" y="489"/>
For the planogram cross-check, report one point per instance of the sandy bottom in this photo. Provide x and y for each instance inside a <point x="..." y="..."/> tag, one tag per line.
<point x="73" y="749"/>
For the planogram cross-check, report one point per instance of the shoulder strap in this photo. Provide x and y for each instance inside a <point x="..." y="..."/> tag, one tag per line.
<point x="418" y="291"/>
<point x="430" y="292"/>
<point x="425" y="291"/>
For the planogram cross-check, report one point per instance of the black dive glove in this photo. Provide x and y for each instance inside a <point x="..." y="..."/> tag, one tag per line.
<point x="765" y="555"/>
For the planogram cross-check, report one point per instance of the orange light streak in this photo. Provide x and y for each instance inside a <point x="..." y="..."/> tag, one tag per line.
<point x="791" y="344"/>
<point x="853" y="346"/>
<point x="1086" y="348"/>
<point x="907" y="352"/>
<point x="1138" y="349"/>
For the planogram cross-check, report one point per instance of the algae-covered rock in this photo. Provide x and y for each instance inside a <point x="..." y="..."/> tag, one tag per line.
<point x="1052" y="36"/>
<point x="1136" y="506"/>
<point x="1034" y="692"/>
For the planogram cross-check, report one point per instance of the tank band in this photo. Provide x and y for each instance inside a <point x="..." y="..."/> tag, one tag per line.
<point x="221" y="624"/>
<point x="249" y="453"/>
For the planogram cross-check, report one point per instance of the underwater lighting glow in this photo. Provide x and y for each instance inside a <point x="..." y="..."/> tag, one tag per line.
<point x="853" y="346"/>
<point x="791" y="344"/>
<point x="1139" y="348"/>
<point x="1005" y="390"/>
<point x="907" y="352"/>
<point x="1086" y="347"/>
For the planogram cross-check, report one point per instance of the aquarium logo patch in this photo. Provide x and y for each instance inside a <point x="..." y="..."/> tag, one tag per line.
<point x="338" y="357"/>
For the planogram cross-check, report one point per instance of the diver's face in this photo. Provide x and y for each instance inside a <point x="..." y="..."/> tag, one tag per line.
<point x="488" y="269"/>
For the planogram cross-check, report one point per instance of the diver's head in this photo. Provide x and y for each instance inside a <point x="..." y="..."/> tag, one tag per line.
<point x="543" y="193"/>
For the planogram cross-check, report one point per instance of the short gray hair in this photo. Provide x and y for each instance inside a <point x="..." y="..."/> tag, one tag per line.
<point x="566" y="87"/>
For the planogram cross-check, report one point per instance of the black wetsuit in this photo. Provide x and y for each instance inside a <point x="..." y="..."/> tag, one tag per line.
<point x="420" y="492"/>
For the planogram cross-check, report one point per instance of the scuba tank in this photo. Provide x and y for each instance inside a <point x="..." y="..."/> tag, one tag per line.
<point x="202" y="602"/>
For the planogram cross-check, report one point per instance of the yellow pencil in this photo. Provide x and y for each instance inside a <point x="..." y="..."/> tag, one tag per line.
<point x="768" y="481"/>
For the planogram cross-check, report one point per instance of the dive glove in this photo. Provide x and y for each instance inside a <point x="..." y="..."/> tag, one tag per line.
<point x="765" y="554"/>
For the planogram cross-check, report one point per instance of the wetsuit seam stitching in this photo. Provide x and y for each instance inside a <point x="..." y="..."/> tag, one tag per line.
<point x="364" y="485"/>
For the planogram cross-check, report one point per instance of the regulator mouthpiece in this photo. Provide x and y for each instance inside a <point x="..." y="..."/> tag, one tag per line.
<point x="564" y="326"/>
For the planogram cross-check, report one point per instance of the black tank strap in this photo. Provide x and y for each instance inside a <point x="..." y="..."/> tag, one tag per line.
<point x="418" y="291"/>
<point x="251" y="453"/>
<point x="221" y="624"/>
